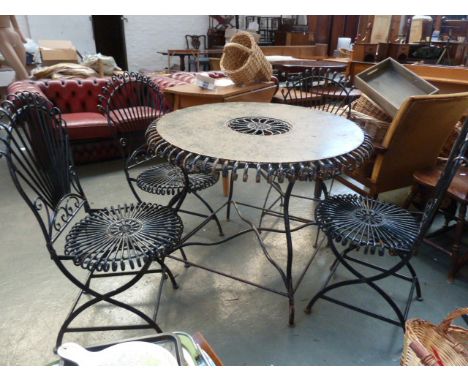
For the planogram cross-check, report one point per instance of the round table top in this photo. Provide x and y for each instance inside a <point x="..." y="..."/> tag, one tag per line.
<point x="259" y="134"/>
<point x="311" y="134"/>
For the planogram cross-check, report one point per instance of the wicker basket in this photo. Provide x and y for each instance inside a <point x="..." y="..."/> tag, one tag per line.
<point x="243" y="61"/>
<point x="366" y="106"/>
<point x="371" y="118"/>
<point x="446" y="342"/>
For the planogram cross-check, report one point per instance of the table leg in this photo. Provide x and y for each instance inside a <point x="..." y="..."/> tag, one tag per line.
<point x="289" y="244"/>
<point x="182" y="62"/>
<point x="226" y="185"/>
<point x="231" y="190"/>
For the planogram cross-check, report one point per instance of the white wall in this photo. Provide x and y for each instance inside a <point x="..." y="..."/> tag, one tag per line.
<point x="77" y="29"/>
<point x="146" y="35"/>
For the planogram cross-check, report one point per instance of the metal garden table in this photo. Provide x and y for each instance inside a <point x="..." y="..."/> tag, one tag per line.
<point x="275" y="142"/>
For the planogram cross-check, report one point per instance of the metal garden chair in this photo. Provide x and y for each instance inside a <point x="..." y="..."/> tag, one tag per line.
<point x="123" y="240"/>
<point x="358" y="222"/>
<point x="320" y="89"/>
<point x="132" y="102"/>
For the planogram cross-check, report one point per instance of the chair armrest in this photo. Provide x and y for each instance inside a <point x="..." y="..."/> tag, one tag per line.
<point x="27" y="86"/>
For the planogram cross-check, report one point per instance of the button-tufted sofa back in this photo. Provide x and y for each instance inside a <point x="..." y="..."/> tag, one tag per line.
<point x="69" y="95"/>
<point x="74" y="96"/>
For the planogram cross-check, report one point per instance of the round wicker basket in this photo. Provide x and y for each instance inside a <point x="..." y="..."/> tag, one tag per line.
<point x="243" y="61"/>
<point x="446" y="342"/>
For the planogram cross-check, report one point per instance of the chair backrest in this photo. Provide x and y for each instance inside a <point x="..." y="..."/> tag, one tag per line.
<point x="39" y="160"/>
<point x="319" y="89"/>
<point x="415" y="138"/>
<point x="194" y="41"/>
<point x="458" y="156"/>
<point x="130" y="102"/>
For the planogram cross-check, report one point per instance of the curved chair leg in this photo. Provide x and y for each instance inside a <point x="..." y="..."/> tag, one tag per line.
<point x="168" y="272"/>
<point x="107" y="297"/>
<point x="360" y="280"/>
<point x="415" y="278"/>
<point x="130" y="184"/>
<point x="220" y="229"/>
<point x="184" y="256"/>
<point x="316" y="238"/>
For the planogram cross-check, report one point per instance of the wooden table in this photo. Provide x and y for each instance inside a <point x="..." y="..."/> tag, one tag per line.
<point x="182" y="53"/>
<point x="183" y="96"/>
<point x="289" y="65"/>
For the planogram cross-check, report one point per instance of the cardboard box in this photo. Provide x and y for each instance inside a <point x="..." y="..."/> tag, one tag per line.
<point x="389" y="84"/>
<point x="57" y="51"/>
<point x="7" y="76"/>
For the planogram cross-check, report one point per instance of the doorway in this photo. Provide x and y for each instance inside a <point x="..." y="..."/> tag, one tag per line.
<point x="109" y="37"/>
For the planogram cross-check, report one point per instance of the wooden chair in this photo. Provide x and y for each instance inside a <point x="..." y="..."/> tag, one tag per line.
<point x="197" y="42"/>
<point x="412" y="142"/>
<point x="458" y="193"/>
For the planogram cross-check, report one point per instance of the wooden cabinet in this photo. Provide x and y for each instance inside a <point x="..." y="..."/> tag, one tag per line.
<point x="364" y="52"/>
<point x="327" y="28"/>
<point x="316" y="51"/>
<point x="399" y="52"/>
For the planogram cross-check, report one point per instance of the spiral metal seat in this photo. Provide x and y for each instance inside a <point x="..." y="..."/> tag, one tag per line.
<point x="131" y="234"/>
<point x="358" y="221"/>
<point x="367" y="222"/>
<point x="167" y="179"/>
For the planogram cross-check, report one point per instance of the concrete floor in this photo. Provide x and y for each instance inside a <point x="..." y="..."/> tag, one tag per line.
<point x="245" y="325"/>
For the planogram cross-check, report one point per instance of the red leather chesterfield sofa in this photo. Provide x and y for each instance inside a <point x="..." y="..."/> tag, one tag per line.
<point x="77" y="99"/>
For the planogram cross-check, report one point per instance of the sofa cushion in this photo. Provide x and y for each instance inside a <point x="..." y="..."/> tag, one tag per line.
<point x="86" y="126"/>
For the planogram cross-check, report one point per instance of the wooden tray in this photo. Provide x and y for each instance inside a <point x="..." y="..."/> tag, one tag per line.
<point x="389" y="84"/>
